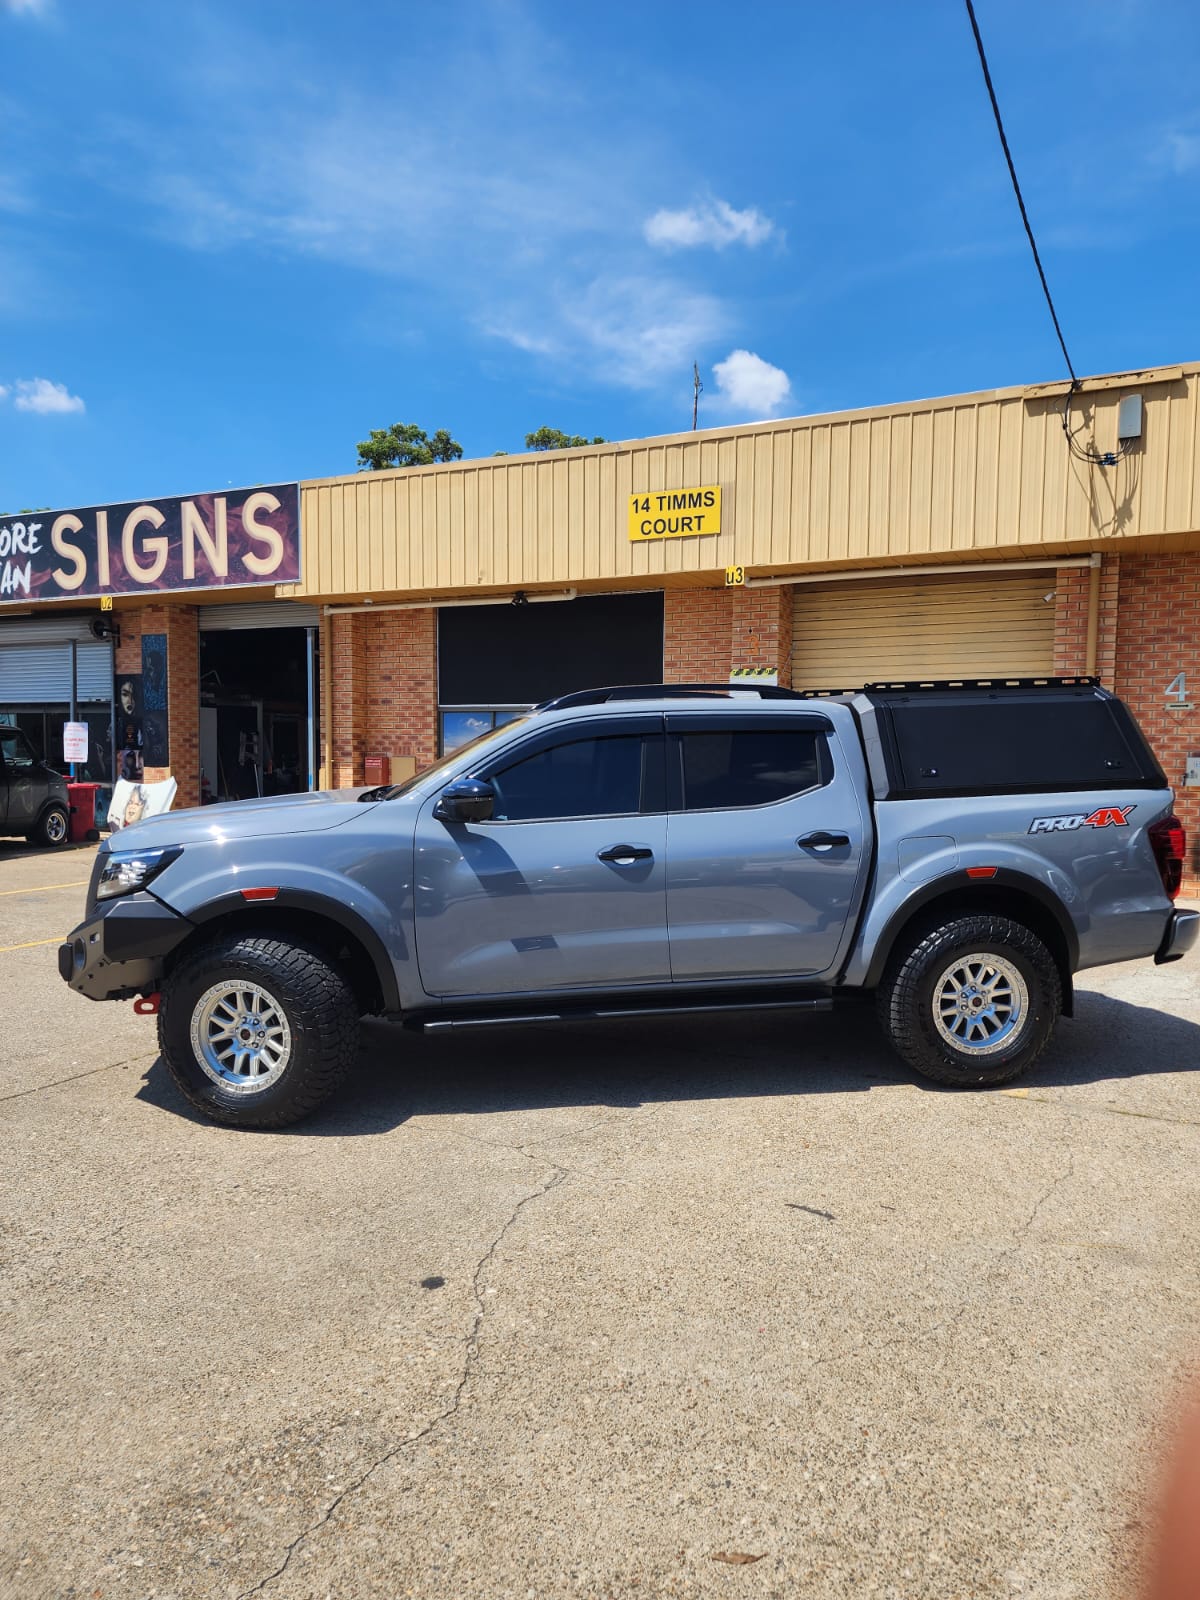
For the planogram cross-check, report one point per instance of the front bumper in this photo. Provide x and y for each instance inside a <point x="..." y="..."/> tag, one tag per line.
<point x="120" y="950"/>
<point x="1183" y="930"/>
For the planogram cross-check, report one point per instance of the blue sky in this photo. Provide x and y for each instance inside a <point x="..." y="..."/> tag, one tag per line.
<point x="235" y="237"/>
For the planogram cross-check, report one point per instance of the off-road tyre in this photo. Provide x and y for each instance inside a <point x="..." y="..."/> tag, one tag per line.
<point x="52" y="828"/>
<point x="309" y="992"/>
<point x="917" y="977"/>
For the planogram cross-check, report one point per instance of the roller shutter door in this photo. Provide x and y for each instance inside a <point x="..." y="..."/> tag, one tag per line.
<point x="267" y="614"/>
<point x="969" y="626"/>
<point x="37" y="674"/>
<point x="94" y="671"/>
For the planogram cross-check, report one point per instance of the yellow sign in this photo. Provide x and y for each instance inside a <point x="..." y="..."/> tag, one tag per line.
<point x="106" y="602"/>
<point x="674" y="513"/>
<point x="735" y="577"/>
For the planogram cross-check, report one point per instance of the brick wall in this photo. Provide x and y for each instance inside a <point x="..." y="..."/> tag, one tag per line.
<point x="346" y="701"/>
<point x="181" y="626"/>
<point x="1159" y="637"/>
<point x="696" y="636"/>
<point x="761" y="632"/>
<point x="380" y="684"/>
<point x="401" y="656"/>
<point x="1072" y="586"/>
<point x="708" y="631"/>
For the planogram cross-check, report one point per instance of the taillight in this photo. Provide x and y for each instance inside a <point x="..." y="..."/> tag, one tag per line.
<point x="1169" y="842"/>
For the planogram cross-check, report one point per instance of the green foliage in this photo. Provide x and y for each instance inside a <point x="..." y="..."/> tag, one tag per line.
<point x="555" y="439"/>
<point x="406" y="445"/>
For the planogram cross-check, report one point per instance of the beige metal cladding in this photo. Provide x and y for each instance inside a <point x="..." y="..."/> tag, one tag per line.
<point x="848" y="634"/>
<point x="973" y="474"/>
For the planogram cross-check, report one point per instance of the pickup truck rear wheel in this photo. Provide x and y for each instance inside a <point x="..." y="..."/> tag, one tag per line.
<point x="257" y="1032"/>
<point x="971" y="1002"/>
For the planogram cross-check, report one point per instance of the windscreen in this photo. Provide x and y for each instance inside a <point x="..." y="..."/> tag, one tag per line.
<point x="451" y="758"/>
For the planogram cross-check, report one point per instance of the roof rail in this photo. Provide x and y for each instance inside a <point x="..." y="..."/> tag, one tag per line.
<point x="1091" y="682"/>
<point x="666" y="691"/>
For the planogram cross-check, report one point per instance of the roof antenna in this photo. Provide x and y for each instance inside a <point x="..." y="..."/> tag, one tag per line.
<point x="697" y="386"/>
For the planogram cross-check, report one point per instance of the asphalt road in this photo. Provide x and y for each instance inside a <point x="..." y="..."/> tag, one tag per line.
<point x="555" y="1313"/>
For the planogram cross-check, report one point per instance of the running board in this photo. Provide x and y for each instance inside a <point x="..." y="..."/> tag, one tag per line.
<point x="598" y="1013"/>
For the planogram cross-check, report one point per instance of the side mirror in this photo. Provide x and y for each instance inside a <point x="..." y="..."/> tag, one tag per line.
<point x="466" y="800"/>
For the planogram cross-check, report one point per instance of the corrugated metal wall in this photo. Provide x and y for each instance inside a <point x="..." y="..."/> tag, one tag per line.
<point x="847" y="634"/>
<point x="973" y="474"/>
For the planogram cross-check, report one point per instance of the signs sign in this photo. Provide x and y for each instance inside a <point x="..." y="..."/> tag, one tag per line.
<point x="75" y="741"/>
<point x="674" y="513"/>
<point x="209" y="541"/>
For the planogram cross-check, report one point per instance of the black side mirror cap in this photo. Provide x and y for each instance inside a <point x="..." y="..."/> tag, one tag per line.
<point x="466" y="800"/>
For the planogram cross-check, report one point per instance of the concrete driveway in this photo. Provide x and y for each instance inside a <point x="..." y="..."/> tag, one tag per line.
<point x="728" y="1308"/>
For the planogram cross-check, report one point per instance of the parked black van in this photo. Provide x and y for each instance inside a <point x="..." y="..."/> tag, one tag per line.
<point x="33" y="797"/>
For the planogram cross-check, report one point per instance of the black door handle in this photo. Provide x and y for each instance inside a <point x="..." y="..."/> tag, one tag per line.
<point x="822" y="841"/>
<point x="623" y="854"/>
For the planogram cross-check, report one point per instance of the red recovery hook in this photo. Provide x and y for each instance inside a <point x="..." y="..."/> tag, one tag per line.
<point x="146" y="1005"/>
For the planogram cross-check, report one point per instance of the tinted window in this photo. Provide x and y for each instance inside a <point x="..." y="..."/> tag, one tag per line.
<point x="747" y="768"/>
<point x="587" y="778"/>
<point x="1016" y="743"/>
<point x="510" y="655"/>
<point x="15" y="751"/>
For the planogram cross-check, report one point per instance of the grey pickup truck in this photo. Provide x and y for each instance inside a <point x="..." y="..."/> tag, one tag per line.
<point x="960" y="849"/>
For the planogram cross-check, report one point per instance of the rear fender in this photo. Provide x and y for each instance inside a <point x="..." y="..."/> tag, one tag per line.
<point x="1011" y="892"/>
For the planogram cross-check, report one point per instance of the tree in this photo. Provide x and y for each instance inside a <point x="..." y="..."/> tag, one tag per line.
<point x="406" y="445"/>
<point x="555" y="439"/>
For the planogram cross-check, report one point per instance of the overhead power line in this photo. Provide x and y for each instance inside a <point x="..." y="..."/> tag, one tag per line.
<point x="1082" y="452"/>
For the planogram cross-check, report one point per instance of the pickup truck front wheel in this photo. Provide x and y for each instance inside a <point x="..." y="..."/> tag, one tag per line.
<point x="971" y="1002"/>
<point x="256" y="1032"/>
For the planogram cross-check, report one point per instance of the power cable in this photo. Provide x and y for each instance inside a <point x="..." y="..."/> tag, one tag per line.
<point x="1080" y="452"/>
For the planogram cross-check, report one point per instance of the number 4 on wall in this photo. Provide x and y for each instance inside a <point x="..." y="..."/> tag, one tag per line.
<point x="1176" y="690"/>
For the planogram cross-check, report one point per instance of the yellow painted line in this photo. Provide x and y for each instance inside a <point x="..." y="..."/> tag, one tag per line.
<point x="32" y="944"/>
<point x="76" y="883"/>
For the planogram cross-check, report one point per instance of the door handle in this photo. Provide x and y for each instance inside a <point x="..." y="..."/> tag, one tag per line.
<point x="822" y="841"/>
<point x="624" y="855"/>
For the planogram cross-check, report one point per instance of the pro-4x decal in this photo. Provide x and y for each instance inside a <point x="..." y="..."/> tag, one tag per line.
<point x="1102" y="817"/>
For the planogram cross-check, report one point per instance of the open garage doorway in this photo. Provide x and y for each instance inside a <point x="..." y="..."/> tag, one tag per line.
<point x="258" y="705"/>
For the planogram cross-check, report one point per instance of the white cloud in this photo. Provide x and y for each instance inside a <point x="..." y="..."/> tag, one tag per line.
<point x="46" y="398"/>
<point x="481" y="199"/>
<point x="1181" y="152"/>
<point x="3" y="392"/>
<point x="715" y="222"/>
<point x="750" y="386"/>
<point x="35" y="8"/>
<point x="628" y="329"/>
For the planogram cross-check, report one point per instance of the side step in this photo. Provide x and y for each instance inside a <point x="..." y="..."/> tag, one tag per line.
<point x="764" y="1000"/>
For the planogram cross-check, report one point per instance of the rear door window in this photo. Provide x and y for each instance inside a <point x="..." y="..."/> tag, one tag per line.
<point x="729" y="769"/>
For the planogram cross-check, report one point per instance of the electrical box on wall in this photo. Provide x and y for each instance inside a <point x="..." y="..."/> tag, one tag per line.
<point x="1191" y="771"/>
<point x="1129" y="418"/>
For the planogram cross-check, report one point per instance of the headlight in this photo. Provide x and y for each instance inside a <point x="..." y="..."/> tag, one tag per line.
<point x="124" y="871"/>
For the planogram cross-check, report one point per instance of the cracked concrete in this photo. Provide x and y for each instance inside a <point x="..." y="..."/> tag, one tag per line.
<point x="1022" y="1233"/>
<point x="470" y="1355"/>
<point x="714" y="1286"/>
